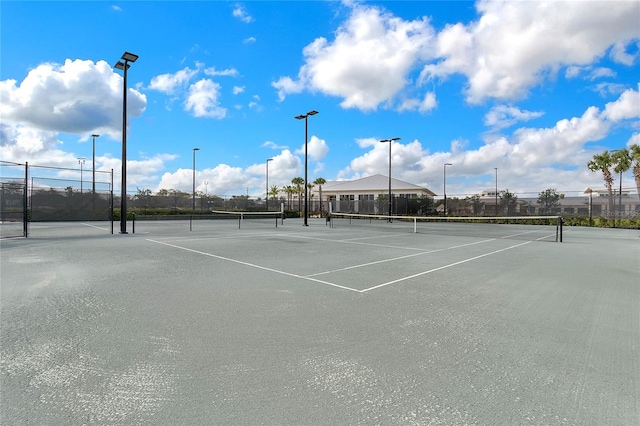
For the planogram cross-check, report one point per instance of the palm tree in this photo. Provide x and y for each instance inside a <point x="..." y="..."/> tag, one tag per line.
<point x="622" y="162"/>
<point x="635" y="155"/>
<point x="320" y="181"/>
<point x="603" y="163"/>
<point x="289" y="190"/>
<point x="310" y="188"/>
<point x="273" y="192"/>
<point x="298" y="182"/>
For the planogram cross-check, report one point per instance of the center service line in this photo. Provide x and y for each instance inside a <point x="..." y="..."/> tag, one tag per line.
<point x="443" y="267"/>
<point x="255" y="266"/>
<point x="398" y="258"/>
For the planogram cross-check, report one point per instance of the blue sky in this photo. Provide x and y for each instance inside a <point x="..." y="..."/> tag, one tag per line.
<point x="534" y="89"/>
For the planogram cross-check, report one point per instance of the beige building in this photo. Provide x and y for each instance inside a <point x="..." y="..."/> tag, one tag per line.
<point x="366" y="195"/>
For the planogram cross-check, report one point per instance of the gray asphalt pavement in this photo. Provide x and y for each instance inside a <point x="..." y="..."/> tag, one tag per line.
<point x="312" y="325"/>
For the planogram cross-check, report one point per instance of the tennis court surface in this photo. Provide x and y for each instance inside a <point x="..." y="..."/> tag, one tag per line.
<point x="243" y="322"/>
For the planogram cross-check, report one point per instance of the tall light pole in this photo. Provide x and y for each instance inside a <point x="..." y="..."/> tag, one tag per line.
<point x="446" y="212"/>
<point x="124" y="66"/>
<point x="81" y="162"/>
<point x="93" y="186"/>
<point x="306" y="181"/>
<point x="496" y="191"/>
<point x="390" y="142"/>
<point x="194" y="177"/>
<point x="267" y="185"/>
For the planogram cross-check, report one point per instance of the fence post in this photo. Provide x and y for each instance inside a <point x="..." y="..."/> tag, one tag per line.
<point x="25" y="215"/>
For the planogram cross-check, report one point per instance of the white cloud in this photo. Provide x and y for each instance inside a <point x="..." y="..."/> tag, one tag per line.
<point x="286" y="85"/>
<point x="168" y="83"/>
<point x="249" y="40"/>
<point x="238" y="89"/>
<point x="78" y="97"/>
<point x="202" y="100"/>
<point x="241" y="13"/>
<point x="425" y="105"/>
<point x="368" y="61"/>
<point x="620" y="54"/>
<point x="503" y="116"/>
<point x="527" y="160"/>
<point x="627" y="106"/>
<point x="317" y="149"/>
<point x="229" y="72"/>
<point x="538" y="36"/>
<point x="116" y="8"/>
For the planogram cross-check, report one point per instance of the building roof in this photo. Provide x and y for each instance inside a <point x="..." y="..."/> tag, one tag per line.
<point x="377" y="183"/>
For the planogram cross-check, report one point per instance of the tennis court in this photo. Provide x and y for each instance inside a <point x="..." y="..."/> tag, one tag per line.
<point x="246" y="322"/>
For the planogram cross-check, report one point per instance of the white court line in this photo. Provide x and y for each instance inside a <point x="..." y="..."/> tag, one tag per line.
<point x="97" y="227"/>
<point x="219" y="237"/>
<point x="398" y="258"/>
<point x="443" y="267"/>
<point x="255" y="266"/>
<point x="350" y="242"/>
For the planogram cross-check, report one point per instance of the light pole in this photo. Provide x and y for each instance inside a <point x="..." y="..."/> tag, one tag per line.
<point x="267" y="185"/>
<point x="496" y="191"/>
<point x="390" y="142"/>
<point x="446" y="212"/>
<point x="194" y="177"/>
<point x="306" y="187"/>
<point x="124" y="66"/>
<point x="81" y="162"/>
<point x="93" y="186"/>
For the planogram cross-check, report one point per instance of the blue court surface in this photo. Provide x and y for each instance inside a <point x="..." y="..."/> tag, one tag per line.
<point x="243" y="322"/>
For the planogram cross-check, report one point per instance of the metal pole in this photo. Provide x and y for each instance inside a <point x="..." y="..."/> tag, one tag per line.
<point x="496" y="191"/>
<point x="390" y="202"/>
<point x="306" y="186"/>
<point x="445" y="188"/>
<point x="620" y="201"/>
<point x="267" y="184"/>
<point x="194" y="178"/>
<point x="93" y="186"/>
<point x="25" y="202"/>
<point x="123" y="183"/>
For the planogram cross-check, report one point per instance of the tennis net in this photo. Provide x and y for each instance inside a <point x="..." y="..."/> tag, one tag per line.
<point x="214" y="220"/>
<point x="535" y="228"/>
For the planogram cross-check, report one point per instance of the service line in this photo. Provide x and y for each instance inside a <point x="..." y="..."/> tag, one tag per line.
<point x="252" y="265"/>
<point x="443" y="267"/>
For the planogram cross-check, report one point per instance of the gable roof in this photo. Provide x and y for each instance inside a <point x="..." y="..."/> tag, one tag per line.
<point x="378" y="183"/>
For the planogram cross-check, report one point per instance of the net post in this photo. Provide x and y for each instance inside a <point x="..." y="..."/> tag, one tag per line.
<point x="133" y="223"/>
<point x="415" y="225"/>
<point x="561" y="227"/>
<point x="281" y="213"/>
<point x="25" y="202"/>
<point x="239" y="220"/>
<point x="190" y="223"/>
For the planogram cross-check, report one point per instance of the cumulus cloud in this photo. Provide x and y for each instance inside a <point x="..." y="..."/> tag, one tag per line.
<point x="539" y="36"/>
<point x="203" y="101"/>
<point x="317" y="148"/>
<point x="368" y="61"/>
<point x="627" y="106"/>
<point x="568" y="142"/>
<point x="238" y="89"/>
<point x="168" y="83"/>
<point x="78" y="97"/>
<point x="503" y="116"/>
<point x="425" y="105"/>
<point x="249" y="40"/>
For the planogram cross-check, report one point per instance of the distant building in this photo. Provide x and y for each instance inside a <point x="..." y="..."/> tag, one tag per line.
<point x="366" y="195"/>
